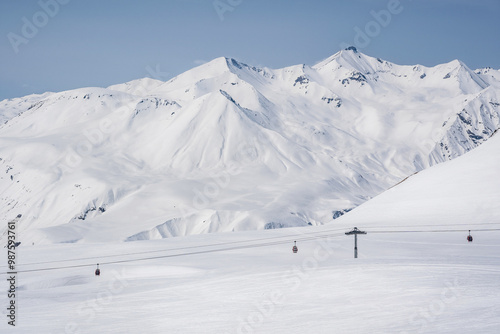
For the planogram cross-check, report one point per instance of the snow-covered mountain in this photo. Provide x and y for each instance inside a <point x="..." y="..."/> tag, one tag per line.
<point x="463" y="192"/>
<point x="433" y="281"/>
<point x="226" y="146"/>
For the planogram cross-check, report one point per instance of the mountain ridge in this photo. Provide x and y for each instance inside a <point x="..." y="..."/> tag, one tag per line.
<point x="227" y="146"/>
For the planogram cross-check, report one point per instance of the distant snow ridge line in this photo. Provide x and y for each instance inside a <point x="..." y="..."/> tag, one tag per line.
<point x="227" y="147"/>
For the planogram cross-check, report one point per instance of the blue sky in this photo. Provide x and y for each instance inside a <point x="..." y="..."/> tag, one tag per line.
<point x="80" y="43"/>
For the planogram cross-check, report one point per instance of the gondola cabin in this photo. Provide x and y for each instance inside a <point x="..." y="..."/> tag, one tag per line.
<point x="469" y="237"/>
<point x="294" y="248"/>
<point x="98" y="271"/>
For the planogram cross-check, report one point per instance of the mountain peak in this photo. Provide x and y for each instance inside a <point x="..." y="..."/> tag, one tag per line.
<point x="231" y="62"/>
<point x="223" y="64"/>
<point x="138" y="86"/>
<point x="351" y="59"/>
<point x="218" y="66"/>
<point x="456" y="63"/>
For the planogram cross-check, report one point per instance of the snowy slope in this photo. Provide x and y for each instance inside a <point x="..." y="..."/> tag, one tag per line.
<point x="489" y="75"/>
<point x="464" y="191"/>
<point x="226" y="146"/>
<point x="401" y="283"/>
<point x="13" y="107"/>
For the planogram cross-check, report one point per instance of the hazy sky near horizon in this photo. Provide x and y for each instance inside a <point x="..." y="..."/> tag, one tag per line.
<point x="56" y="45"/>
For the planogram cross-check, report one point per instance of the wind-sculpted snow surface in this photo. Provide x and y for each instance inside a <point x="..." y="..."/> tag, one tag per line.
<point x="226" y="146"/>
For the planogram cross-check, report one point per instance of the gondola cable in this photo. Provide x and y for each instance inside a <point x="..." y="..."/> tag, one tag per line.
<point x="172" y="255"/>
<point x="179" y="248"/>
<point x="228" y="248"/>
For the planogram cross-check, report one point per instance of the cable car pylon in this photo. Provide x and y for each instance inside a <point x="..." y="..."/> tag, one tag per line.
<point x="355" y="231"/>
